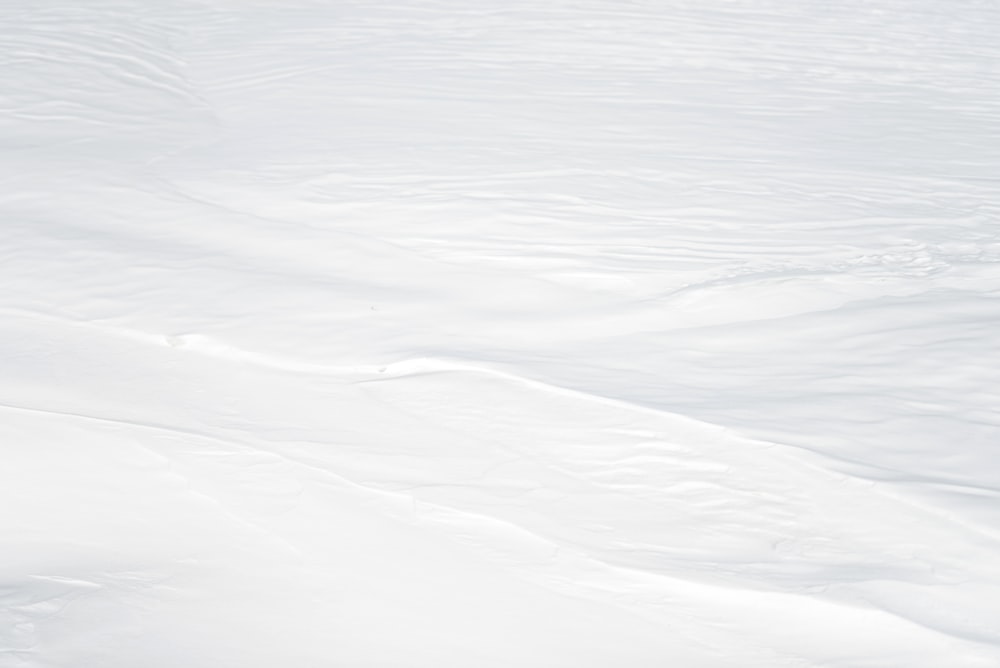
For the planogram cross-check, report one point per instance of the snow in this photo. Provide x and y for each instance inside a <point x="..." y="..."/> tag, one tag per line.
<point x="424" y="333"/>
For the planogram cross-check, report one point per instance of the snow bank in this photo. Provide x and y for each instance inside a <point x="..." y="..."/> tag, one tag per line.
<point x="446" y="334"/>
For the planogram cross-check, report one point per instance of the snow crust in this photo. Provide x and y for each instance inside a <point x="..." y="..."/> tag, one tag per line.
<point x="425" y="333"/>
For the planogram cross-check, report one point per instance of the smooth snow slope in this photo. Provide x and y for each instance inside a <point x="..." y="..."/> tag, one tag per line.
<point x="427" y="333"/>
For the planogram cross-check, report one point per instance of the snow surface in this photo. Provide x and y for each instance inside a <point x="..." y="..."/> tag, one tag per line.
<point x="427" y="333"/>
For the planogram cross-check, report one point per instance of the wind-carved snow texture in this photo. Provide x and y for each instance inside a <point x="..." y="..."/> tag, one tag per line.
<point x="426" y="334"/>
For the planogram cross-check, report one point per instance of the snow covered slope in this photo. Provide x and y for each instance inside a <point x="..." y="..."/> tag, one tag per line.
<point x="427" y="333"/>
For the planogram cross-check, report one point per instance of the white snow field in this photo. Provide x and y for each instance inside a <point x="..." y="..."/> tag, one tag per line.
<point x="512" y="334"/>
